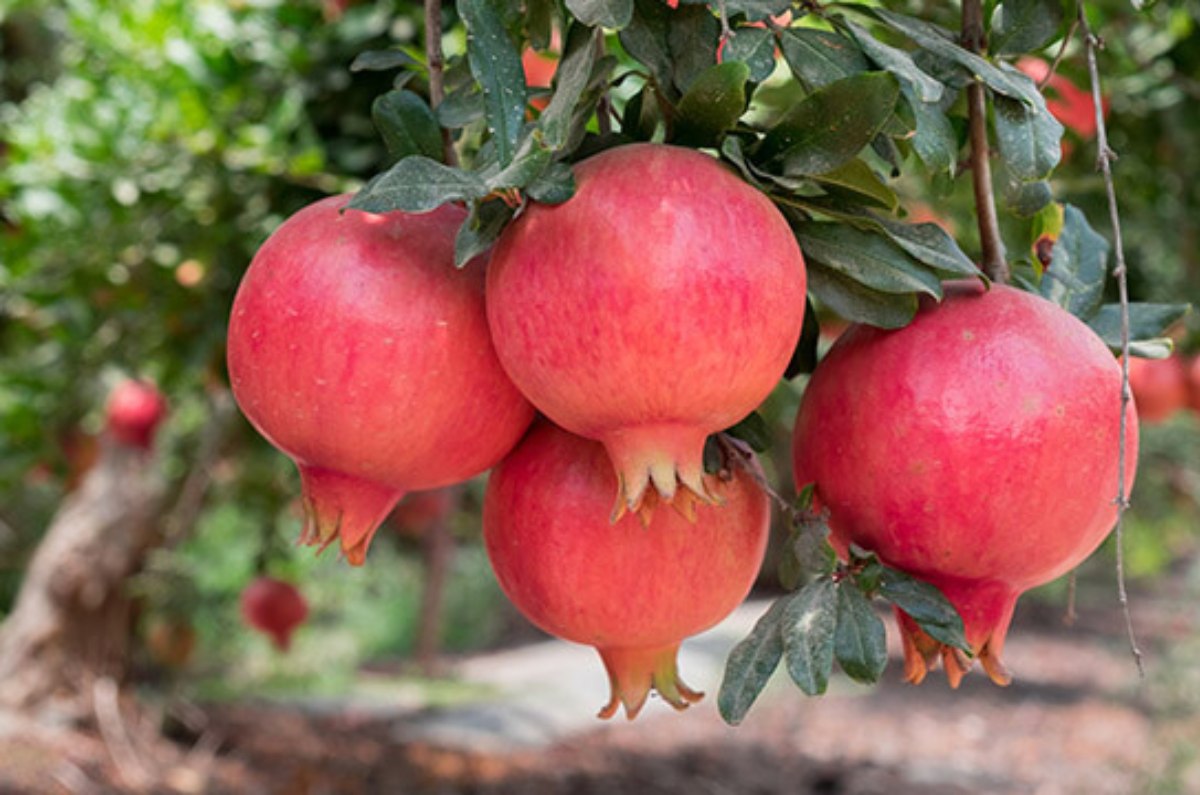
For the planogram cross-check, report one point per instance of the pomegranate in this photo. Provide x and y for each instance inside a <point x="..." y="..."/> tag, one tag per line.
<point x="421" y="510"/>
<point x="539" y="68"/>
<point x="133" y="413"/>
<point x="275" y="608"/>
<point x="1160" y="387"/>
<point x="358" y="349"/>
<point x="976" y="449"/>
<point x="657" y="306"/>
<point x="1193" y="378"/>
<point x="633" y="592"/>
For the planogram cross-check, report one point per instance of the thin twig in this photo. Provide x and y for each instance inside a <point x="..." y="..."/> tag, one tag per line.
<point x="1071" y="616"/>
<point x="744" y="460"/>
<point x="437" y="68"/>
<point x="1104" y="159"/>
<point x="1062" y="51"/>
<point x="992" y="246"/>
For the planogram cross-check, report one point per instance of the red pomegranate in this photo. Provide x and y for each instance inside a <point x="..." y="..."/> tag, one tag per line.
<point x="633" y="592"/>
<point x="1192" y="367"/>
<point x="421" y="510"/>
<point x="133" y="413"/>
<point x="274" y="608"/>
<point x="358" y="349"/>
<point x="1160" y="387"/>
<point x="657" y="306"/>
<point x="976" y="449"/>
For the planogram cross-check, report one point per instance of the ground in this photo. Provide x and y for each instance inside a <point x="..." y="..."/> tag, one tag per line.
<point x="1077" y="719"/>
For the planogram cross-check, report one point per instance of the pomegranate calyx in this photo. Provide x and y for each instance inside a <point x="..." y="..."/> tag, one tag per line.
<point x="633" y="673"/>
<point x="343" y="508"/>
<point x="659" y="463"/>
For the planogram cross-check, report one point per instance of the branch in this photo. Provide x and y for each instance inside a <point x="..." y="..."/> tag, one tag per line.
<point x="994" y="263"/>
<point x="437" y="67"/>
<point x="1104" y="160"/>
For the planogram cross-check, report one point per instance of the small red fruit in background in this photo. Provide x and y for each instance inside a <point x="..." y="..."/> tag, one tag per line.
<point x="1067" y="102"/>
<point x="1159" y="386"/>
<point x="539" y="72"/>
<point x="421" y="510"/>
<point x="275" y="608"/>
<point x="975" y="449"/>
<point x="357" y="348"/>
<point x="133" y="413"/>
<point x="632" y="591"/>
<point x="630" y="315"/>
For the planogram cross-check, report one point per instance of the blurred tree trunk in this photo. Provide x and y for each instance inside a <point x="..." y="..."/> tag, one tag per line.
<point x="70" y="624"/>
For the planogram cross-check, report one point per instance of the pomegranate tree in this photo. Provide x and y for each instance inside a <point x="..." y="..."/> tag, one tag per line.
<point x="648" y="319"/>
<point x="975" y="449"/>
<point x="633" y="592"/>
<point x="275" y="608"/>
<point x="133" y="413"/>
<point x="359" y="350"/>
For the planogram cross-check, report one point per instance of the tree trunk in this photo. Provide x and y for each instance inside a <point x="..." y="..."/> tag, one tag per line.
<point x="70" y="623"/>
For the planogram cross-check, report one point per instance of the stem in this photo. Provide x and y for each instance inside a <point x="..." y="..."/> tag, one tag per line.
<point x="994" y="263"/>
<point x="437" y="549"/>
<point x="437" y="67"/>
<point x="604" y="107"/>
<point x="1104" y="159"/>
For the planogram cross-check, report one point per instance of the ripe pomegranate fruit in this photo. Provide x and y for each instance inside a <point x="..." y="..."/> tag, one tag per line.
<point x="274" y="608"/>
<point x="358" y="349"/>
<point x="133" y="413"/>
<point x="1193" y="378"/>
<point x="975" y="449"/>
<point x="633" y="592"/>
<point x="1160" y="387"/>
<point x="657" y="306"/>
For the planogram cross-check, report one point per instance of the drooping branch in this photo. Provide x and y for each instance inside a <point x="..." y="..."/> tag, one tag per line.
<point x="992" y="246"/>
<point x="437" y="68"/>
<point x="1104" y="160"/>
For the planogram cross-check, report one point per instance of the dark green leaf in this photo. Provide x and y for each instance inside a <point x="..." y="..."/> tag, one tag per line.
<point x="1148" y="324"/>
<point x="818" y="58"/>
<point x="461" y="108"/>
<point x="602" y="13"/>
<point x="860" y="643"/>
<point x="553" y="186"/>
<point x="754" y="431"/>
<point x="407" y="125"/>
<point x="382" y="61"/>
<point x="496" y="65"/>
<point x="754" y="47"/>
<point x="804" y="357"/>
<point x="1075" y="277"/>
<point x="539" y="22"/>
<point x="808" y="626"/>
<point x="926" y="605"/>
<point x="712" y="105"/>
<point x="692" y="36"/>
<point x="751" y="663"/>
<point x="935" y="141"/>
<point x="646" y="39"/>
<point x="865" y="257"/>
<point x="899" y="63"/>
<point x="416" y="185"/>
<point x="1027" y="199"/>
<point x="858" y="178"/>
<point x="1021" y="26"/>
<point x="1028" y="137"/>
<point x="732" y="151"/>
<point x="931" y="245"/>
<point x="809" y="545"/>
<point x="571" y="80"/>
<point x="857" y="303"/>
<point x="830" y="126"/>
<point x="530" y="162"/>
<point x="755" y="10"/>
<point x="479" y="231"/>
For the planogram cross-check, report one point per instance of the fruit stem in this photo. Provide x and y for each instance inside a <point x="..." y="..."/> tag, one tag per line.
<point x="992" y="245"/>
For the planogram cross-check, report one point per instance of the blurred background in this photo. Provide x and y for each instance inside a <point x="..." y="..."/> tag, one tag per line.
<point x="148" y="147"/>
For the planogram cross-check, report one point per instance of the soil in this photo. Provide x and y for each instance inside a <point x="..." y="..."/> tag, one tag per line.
<point x="1077" y="719"/>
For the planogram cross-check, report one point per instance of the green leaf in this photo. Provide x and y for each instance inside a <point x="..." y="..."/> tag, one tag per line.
<point x="830" y="126"/>
<point x="754" y="431"/>
<point x="646" y="38"/>
<point x="899" y="63"/>
<point x="1021" y="26"/>
<point x="868" y="258"/>
<point x="496" y="65"/>
<point x="461" y="108"/>
<point x="712" y="105"/>
<point x="751" y="664"/>
<point x="480" y="229"/>
<point x="808" y="626"/>
<point x="809" y="547"/>
<point x="755" y="10"/>
<point x="417" y="185"/>
<point x="935" y="141"/>
<point x="818" y="58"/>
<point x="860" y="642"/>
<point x="804" y="357"/>
<point x="692" y="37"/>
<point x="858" y="178"/>
<point x="539" y="23"/>
<point x="1028" y="137"/>
<point x="382" y="61"/>
<point x="1027" y="199"/>
<point x="754" y="47"/>
<point x="1148" y="324"/>
<point x="407" y="125"/>
<point x="930" y="244"/>
<point x="553" y="186"/>
<point x="858" y="303"/>
<point x="530" y="162"/>
<point x="570" y="81"/>
<point x="613" y="14"/>
<point x="926" y="605"/>
<point x="1075" y="277"/>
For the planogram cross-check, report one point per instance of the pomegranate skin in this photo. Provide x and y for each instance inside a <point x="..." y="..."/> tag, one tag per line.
<point x="133" y="413"/>
<point x="358" y="349"/>
<point x="275" y="608"/>
<point x="634" y="592"/>
<point x="659" y="305"/>
<point x="976" y="449"/>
